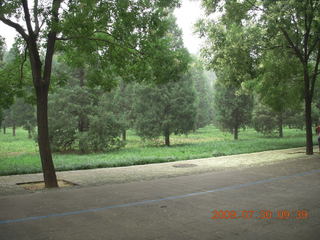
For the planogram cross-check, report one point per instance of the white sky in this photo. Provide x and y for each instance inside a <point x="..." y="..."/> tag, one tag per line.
<point x="187" y="15"/>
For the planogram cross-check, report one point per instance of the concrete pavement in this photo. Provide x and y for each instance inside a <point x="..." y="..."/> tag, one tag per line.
<point x="175" y="205"/>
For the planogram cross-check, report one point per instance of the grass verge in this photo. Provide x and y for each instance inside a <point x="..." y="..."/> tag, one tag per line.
<point x="18" y="155"/>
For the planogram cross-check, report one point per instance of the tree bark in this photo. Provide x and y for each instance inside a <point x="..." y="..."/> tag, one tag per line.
<point x="236" y="133"/>
<point x="280" y="126"/>
<point x="308" y="118"/>
<point x="167" y="138"/>
<point x="48" y="170"/>
<point x="124" y="135"/>
<point x="309" y="141"/>
<point x="14" y="129"/>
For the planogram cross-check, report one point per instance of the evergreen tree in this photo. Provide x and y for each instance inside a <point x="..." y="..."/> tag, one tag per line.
<point x="165" y="109"/>
<point x="204" y="92"/>
<point x="232" y="108"/>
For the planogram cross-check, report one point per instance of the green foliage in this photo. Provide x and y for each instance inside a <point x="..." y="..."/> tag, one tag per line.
<point x="285" y="42"/>
<point x="119" y="102"/>
<point x="203" y="84"/>
<point x="12" y="81"/>
<point x="66" y="106"/>
<point x="103" y="134"/>
<point x="316" y="113"/>
<point x="264" y="120"/>
<point x="21" y="114"/>
<point x="232" y="108"/>
<point x="72" y="106"/>
<point x="62" y="123"/>
<point x="2" y="49"/>
<point x="165" y="109"/>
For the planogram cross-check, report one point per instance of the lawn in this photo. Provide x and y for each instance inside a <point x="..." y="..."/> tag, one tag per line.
<point x="19" y="155"/>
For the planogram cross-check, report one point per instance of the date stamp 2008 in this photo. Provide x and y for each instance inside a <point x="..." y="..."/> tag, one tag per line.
<point x="260" y="214"/>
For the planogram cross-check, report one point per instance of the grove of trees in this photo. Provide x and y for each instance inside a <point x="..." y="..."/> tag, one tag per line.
<point x="81" y="73"/>
<point x="270" y="47"/>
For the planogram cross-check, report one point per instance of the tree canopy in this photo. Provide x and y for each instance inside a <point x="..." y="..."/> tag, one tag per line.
<point x="114" y="35"/>
<point x="288" y="26"/>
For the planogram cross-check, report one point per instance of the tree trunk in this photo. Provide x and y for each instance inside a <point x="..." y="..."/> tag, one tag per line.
<point x="167" y="138"/>
<point x="309" y="140"/>
<point x="48" y="170"/>
<point x="236" y="133"/>
<point x="280" y="126"/>
<point x="4" y="129"/>
<point x="308" y="119"/>
<point x="124" y="135"/>
<point x="14" y="129"/>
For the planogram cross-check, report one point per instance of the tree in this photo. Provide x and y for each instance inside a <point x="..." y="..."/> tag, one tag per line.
<point x="204" y="92"/>
<point x="278" y="89"/>
<point x="165" y="109"/>
<point x="20" y="114"/>
<point x="299" y="23"/>
<point x="10" y="76"/>
<point x="295" y="21"/>
<point x="119" y="102"/>
<point x="68" y="107"/>
<point x="232" y="108"/>
<point x="168" y="107"/>
<point x="108" y="30"/>
<point x="266" y="121"/>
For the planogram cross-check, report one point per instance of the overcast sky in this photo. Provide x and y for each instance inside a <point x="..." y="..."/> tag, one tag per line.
<point x="187" y="16"/>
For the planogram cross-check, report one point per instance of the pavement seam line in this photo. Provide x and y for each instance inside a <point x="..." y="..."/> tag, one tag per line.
<point x="232" y="187"/>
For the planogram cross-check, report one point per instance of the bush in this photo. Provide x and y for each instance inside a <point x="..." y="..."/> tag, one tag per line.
<point x="67" y="110"/>
<point x="103" y="134"/>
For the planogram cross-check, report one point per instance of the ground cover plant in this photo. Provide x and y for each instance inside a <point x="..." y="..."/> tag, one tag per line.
<point x="18" y="155"/>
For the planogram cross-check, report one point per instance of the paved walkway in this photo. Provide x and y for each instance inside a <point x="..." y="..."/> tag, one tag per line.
<point x="175" y="203"/>
<point x="96" y="177"/>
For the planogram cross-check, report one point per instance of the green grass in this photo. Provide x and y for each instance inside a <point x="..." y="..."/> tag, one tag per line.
<point x="19" y="155"/>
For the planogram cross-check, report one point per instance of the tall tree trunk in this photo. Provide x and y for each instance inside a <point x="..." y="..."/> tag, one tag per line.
<point x="309" y="140"/>
<point x="14" y="129"/>
<point x="48" y="170"/>
<point x="167" y="138"/>
<point x="124" y="135"/>
<point x="4" y="129"/>
<point x="280" y="125"/>
<point x="236" y="133"/>
<point x="308" y="119"/>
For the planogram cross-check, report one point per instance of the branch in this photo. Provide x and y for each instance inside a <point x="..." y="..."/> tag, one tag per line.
<point x="129" y="45"/>
<point x="102" y="40"/>
<point x="22" y="64"/>
<point x="307" y="24"/>
<point x="316" y="41"/>
<point x="51" y="41"/>
<point x="292" y="45"/>
<point x="16" y="26"/>
<point x="315" y="73"/>
<point x="255" y="7"/>
<point x="27" y="16"/>
<point x="35" y="16"/>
